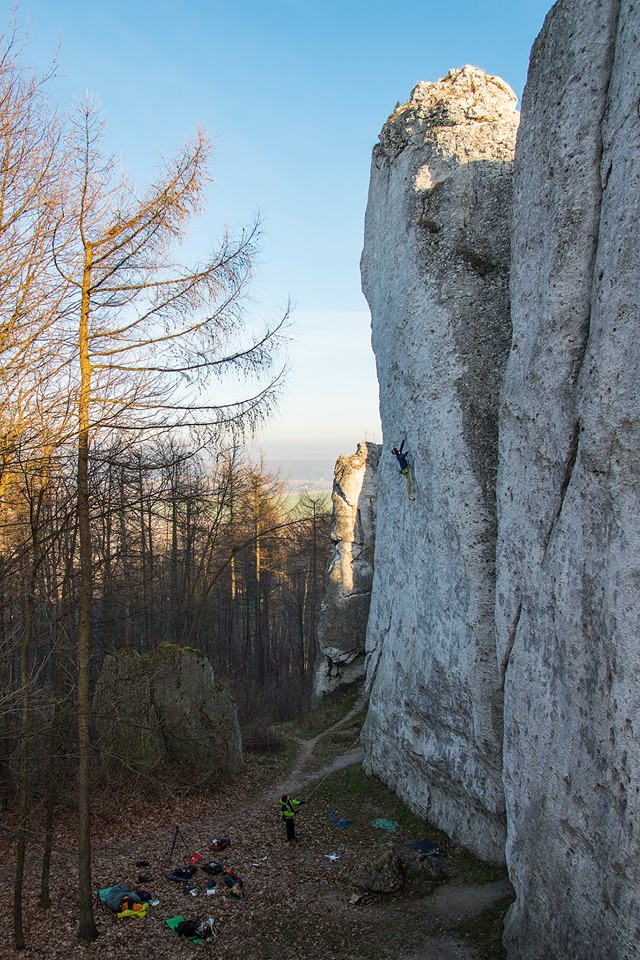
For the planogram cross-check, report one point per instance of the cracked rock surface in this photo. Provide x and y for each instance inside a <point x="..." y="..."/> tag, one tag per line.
<point x="435" y="274"/>
<point x="568" y="604"/>
<point x="342" y="625"/>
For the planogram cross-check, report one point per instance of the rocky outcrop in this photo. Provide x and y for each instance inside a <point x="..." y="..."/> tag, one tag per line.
<point x="568" y="604"/>
<point x="125" y="717"/>
<point x="343" y="618"/>
<point x="387" y="867"/>
<point x="166" y="705"/>
<point x="435" y="274"/>
<point x="378" y="869"/>
<point x="197" y="715"/>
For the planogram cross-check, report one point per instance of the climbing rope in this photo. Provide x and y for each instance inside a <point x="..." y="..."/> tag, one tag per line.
<point x="319" y="784"/>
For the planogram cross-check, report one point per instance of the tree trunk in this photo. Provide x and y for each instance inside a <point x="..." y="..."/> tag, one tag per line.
<point x="87" y="926"/>
<point x="144" y="626"/>
<point x="173" y="589"/>
<point x="23" y="801"/>
<point x="151" y="610"/>
<point x="126" y="600"/>
<point x="257" y="571"/>
<point x="45" y="897"/>
<point x="25" y="685"/>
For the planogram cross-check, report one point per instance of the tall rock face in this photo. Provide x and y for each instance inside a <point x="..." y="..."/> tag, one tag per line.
<point x="568" y="598"/>
<point x="344" y="613"/>
<point x="435" y="274"/>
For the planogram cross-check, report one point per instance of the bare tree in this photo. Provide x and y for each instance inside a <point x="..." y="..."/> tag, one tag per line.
<point x="31" y="292"/>
<point x="151" y="338"/>
<point x="33" y="413"/>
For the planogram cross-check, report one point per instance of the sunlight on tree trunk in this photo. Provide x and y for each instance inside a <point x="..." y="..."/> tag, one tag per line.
<point x="87" y="925"/>
<point x="168" y="332"/>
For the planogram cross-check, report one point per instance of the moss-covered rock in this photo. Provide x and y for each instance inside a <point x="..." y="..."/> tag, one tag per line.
<point x="198" y="716"/>
<point x="127" y="724"/>
<point x="166" y="705"/>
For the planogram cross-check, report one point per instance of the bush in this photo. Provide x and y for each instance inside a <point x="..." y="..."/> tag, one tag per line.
<point x="262" y="738"/>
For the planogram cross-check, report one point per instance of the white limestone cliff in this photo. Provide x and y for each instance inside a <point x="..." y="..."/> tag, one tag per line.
<point x="568" y="598"/>
<point x="435" y="274"/>
<point x="343" y="618"/>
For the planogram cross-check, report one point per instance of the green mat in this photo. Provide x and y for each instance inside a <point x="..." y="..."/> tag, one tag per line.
<point x="173" y="923"/>
<point x="383" y="824"/>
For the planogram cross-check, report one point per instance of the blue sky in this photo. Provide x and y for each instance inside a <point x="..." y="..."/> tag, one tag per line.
<point x="293" y="94"/>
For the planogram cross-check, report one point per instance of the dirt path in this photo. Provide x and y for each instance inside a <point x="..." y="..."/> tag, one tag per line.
<point x="314" y="916"/>
<point x="297" y="903"/>
<point x="303" y="774"/>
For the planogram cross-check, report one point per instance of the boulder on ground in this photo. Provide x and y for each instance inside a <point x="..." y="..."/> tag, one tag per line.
<point x="197" y="715"/>
<point x="378" y="869"/>
<point x="388" y="867"/>
<point x="126" y="721"/>
<point x="166" y="705"/>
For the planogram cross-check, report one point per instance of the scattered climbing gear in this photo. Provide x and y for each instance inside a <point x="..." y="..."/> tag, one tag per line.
<point x="208" y="929"/>
<point x="343" y="824"/>
<point x="383" y="824"/>
<point x="196" y="931"/>
<point x="219" y="843"/>
<point x="177" y="922"/>
<point x="180" y="874"/>
<point x="232" y="879"/>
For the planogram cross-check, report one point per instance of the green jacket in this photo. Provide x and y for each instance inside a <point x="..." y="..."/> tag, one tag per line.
<point x="290" y="808"/>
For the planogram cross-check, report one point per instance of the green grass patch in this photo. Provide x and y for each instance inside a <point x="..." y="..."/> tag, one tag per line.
<point x="470" y="870"/>
<point x="362" y="799"/>
<point x="340" y="741"/>
<point x="327" y="711"/>
<point x="486" y="931"/>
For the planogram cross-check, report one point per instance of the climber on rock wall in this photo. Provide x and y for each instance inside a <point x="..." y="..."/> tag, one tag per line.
<point x="405" y="468"/>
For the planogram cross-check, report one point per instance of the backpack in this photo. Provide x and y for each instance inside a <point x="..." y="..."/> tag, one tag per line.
<point x="212" y="867"/>
<point x="231" y="879"/>
<point x="180" y="874"/>
<point x="188" y="928"/>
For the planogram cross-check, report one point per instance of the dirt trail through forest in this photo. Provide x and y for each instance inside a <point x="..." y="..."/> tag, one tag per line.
<point x="302" y="773"/>
<point x="297" y="902"/>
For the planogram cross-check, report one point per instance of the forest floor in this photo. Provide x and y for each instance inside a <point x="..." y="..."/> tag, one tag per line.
<point x="297" y="902"/>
